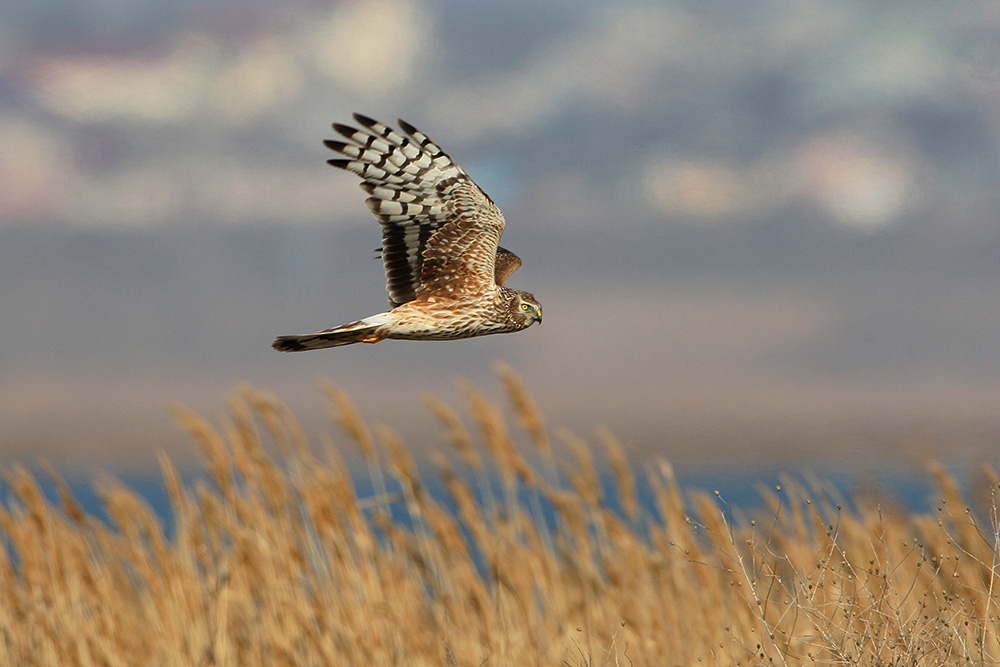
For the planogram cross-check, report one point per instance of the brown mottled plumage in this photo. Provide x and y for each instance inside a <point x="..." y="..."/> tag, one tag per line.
<point x="445" y="270"/>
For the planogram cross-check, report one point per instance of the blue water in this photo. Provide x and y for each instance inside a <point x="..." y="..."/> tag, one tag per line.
<point x="737" y="493"/>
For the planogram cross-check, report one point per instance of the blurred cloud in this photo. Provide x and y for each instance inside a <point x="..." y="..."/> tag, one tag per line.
<point x="863" y="182"/>
<point x="705" y="191"/>
<point x="373" y="48"/>
<point x="196" y="76"/>
<point x="685" y="182"/>
<point x="32" y="163"/>
<point x="882" y="55"/>
<point x="709" y="114"/>
<point x="258" y="77"/>
<point x="610" y="63"/>
<point x="102" y="88"/>
<point x="138" y="198"/>
<point x="201" y="74"/>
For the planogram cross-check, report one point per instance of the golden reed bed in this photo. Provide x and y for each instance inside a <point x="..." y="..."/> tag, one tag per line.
<point x="277" y="561"/>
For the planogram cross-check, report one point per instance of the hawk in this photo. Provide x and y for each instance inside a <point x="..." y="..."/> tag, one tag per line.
<point x="444" y="266"/>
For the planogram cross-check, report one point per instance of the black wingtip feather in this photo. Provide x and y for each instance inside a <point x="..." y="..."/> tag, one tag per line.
<point x="339" y="163"/>
<point x="345" y="130"/>
<point x="365" y="120"/>
<point x="334" y="145"/>
<point x="406" y="127"/>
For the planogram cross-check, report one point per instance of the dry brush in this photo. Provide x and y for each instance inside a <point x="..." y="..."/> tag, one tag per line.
<point x="516" y="554"/>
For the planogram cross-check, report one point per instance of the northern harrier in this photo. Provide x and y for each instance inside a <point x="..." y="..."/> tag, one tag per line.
<point x="440" y="245"/>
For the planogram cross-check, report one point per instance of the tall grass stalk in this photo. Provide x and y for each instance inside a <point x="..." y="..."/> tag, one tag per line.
<point x="273" y="559"/>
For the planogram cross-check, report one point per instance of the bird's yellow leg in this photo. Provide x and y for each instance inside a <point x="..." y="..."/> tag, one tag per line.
<point x="373" y="339"/>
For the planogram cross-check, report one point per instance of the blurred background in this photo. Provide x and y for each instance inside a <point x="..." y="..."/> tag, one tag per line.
<point x="764" y="232"/>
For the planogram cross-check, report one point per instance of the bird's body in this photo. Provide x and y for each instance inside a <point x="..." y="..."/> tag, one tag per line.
<point x="440" y="245"/>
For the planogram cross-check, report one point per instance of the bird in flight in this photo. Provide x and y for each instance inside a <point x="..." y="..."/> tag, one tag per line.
<point x="444" y="266"/>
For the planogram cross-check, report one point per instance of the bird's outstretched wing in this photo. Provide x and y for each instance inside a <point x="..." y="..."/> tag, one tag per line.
<point x="440" y="231"/>
<point x="506" y="264"/>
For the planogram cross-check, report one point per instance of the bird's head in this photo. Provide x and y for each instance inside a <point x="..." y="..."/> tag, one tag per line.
<point x="525" y="308"/>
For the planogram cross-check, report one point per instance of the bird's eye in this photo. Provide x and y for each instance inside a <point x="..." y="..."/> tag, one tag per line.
<point x="525" y="307"/>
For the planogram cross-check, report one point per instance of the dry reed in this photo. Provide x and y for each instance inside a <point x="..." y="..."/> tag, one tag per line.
<point x="275" y="560"/>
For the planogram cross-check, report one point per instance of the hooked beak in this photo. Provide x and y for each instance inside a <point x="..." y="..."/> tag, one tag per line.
<point x="538" y="314"/>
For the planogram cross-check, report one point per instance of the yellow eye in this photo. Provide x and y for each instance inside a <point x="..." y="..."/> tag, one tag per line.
<point x="525" y="307"/>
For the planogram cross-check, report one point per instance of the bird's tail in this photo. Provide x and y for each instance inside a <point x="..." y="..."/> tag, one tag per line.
<point x="362" y="331"/>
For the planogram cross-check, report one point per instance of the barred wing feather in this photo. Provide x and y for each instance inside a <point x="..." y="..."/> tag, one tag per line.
<point x="440" y="231"/>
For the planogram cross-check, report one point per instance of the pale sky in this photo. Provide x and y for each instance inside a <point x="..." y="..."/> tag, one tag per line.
<point x="761" y="231"/>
